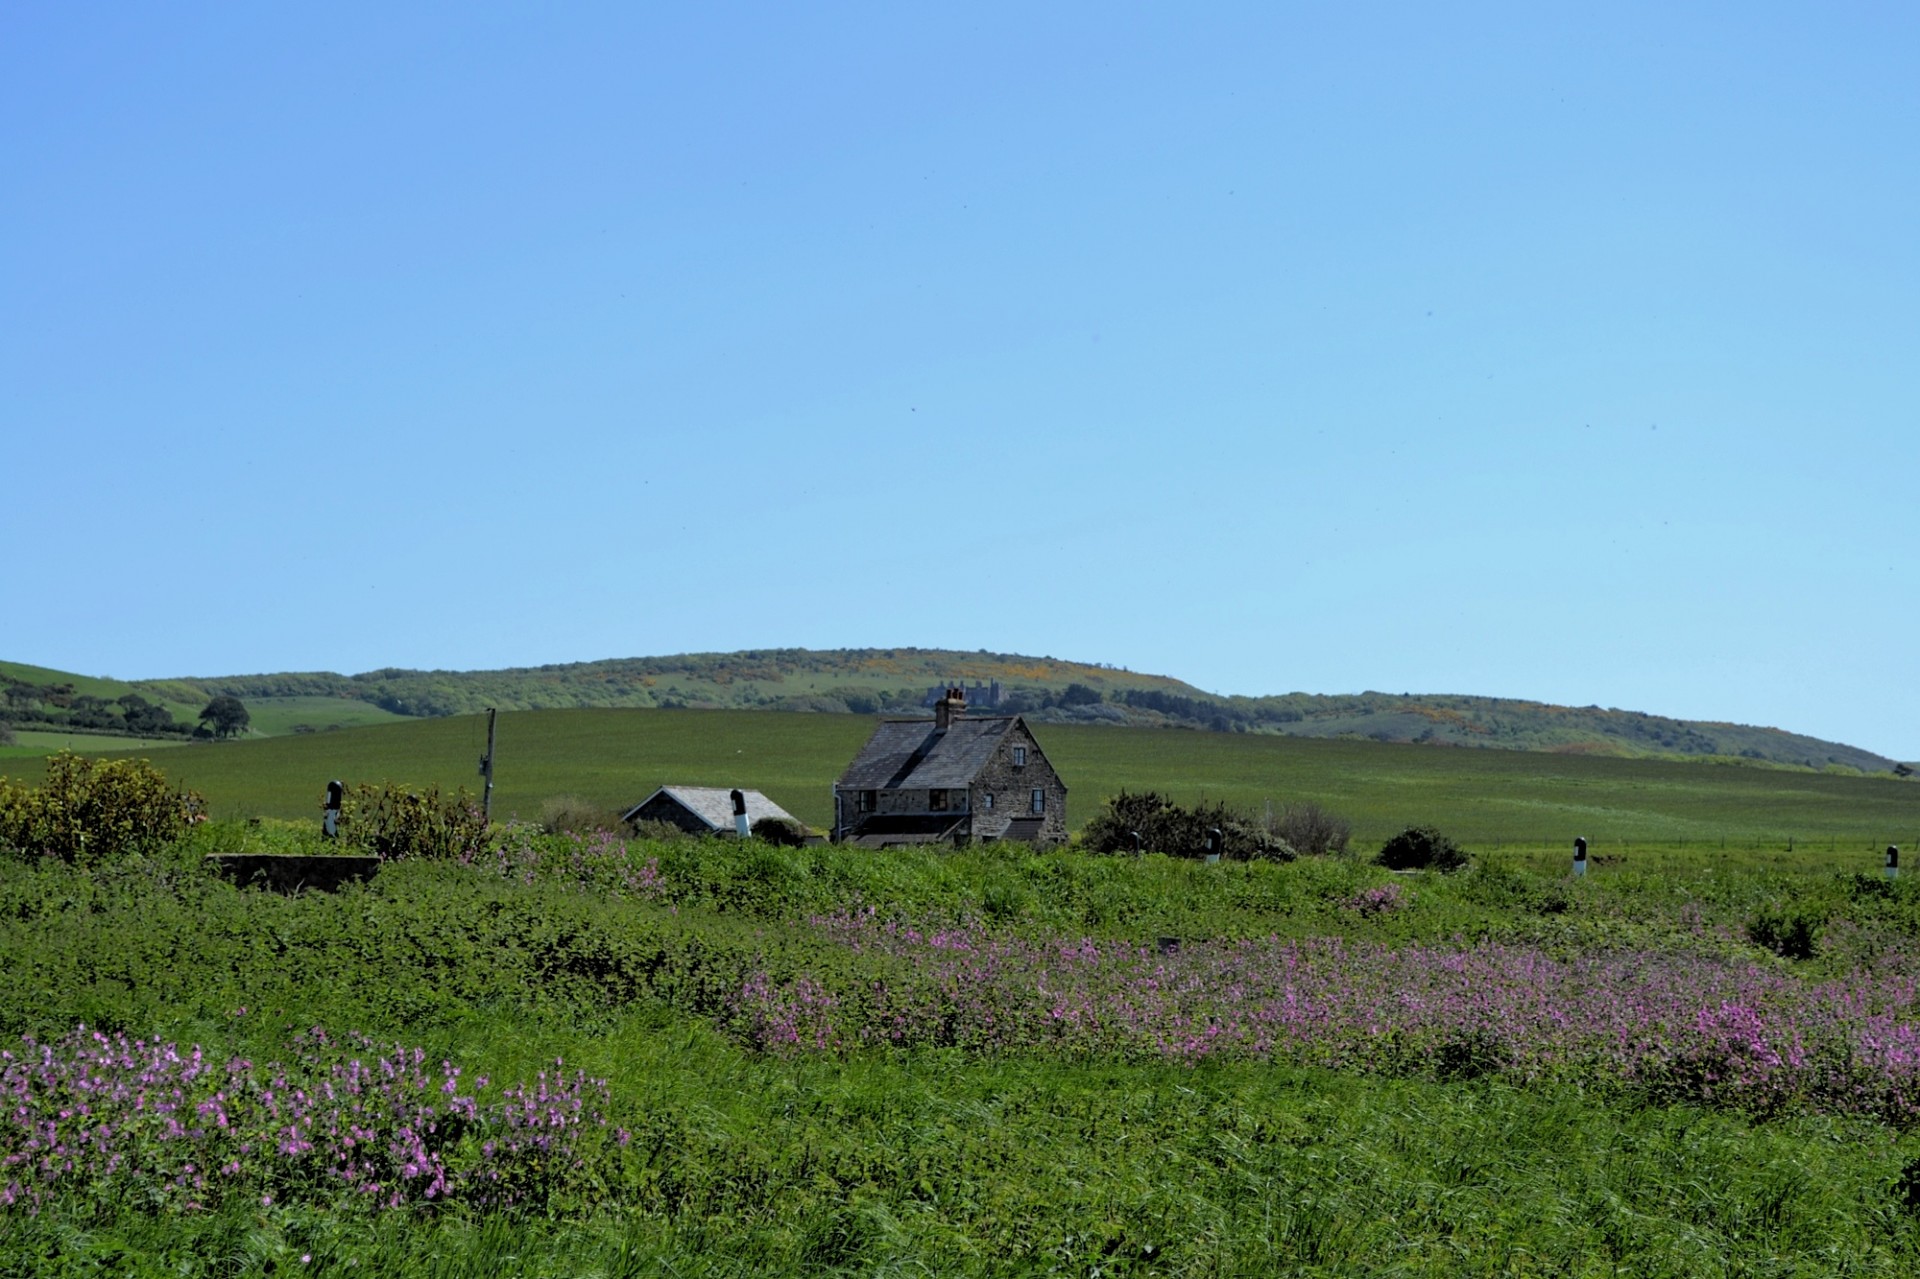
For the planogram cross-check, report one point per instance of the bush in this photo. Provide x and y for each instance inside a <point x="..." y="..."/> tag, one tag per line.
<point x="1421" y="848"/>
<point x="780" y="832"/>
<point x="1165" y="827"/>
<point x="657" y="831"/>
<point x="89" y="810"/>
<point x="397" y="824"/>
<point x="571" y="815"/>
<point x="1791" y="934"/>
<point x="1311" y="829"/>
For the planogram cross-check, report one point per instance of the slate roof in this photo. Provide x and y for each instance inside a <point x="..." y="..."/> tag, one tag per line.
<point x="911" y="754"/>
<point x="714" y="805"/>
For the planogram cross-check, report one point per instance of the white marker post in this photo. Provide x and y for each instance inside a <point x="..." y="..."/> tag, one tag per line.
<point x="740" y="827"/>
<point x="1579" y="856"/>
<point x="330" y="816"/>
<point x="1214" y="841"/>
<point x="1893" y="861"/>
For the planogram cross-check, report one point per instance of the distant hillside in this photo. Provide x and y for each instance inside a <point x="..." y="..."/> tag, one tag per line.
<point x="35" y="699"/>
<point x="900" y="680"/>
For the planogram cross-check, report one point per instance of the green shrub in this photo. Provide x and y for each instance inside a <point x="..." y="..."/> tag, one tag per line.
<point x="780" y="832"/>
<point x="397" y="824"/>
<point x="655" y="831"/>
<point x="1311" y="829"/>
<point x="1165" y="827"/>
<point x="1421" y="848"/>
<point x="90" y="810"/>
<point x="571" y="815"/>
<point x="1791" y="934"/>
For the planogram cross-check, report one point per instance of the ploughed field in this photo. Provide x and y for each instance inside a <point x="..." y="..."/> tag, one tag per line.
<point x="614" y="758"/>
<point x="589" y="1055"/>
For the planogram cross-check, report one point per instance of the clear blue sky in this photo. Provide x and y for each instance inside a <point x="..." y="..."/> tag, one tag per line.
<point x="1534" y="350"/>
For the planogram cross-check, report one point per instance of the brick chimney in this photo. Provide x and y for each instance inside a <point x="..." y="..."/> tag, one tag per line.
<point x="949" y="708"/>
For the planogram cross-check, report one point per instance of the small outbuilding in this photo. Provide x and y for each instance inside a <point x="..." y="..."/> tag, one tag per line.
<point x="704" y="810"/>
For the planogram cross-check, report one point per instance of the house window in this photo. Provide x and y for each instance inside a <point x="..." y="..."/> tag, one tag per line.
<point x="865" y="802"/>
<point x="1019" y="757"/>
<point x="936" y="801"/>
<point x="986" y="801"/>
<point x="1039" y="800"/>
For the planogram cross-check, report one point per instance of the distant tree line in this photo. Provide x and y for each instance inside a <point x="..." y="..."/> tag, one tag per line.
<point x="64" y="706"/>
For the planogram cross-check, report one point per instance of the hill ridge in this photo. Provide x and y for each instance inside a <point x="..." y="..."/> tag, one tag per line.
<point x="903" y="679"/>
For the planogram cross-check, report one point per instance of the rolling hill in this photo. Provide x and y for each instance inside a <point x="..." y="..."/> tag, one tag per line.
<point x="900" y="680"/>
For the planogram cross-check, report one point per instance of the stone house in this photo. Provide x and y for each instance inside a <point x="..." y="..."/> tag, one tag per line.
<point x="954" y="778"/>
<point x="703" y="810"/>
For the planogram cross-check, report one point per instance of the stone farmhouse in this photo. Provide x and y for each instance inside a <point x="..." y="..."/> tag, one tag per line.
<point x="952" y="779"/>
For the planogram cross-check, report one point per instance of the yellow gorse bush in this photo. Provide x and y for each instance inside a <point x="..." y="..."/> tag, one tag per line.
<point x="89" y="810"/>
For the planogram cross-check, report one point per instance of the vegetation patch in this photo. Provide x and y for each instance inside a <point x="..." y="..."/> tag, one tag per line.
<point x="743" y="1057"/>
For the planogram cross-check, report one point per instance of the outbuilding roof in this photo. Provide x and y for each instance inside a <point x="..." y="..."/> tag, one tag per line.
<point x="714" y="805"/>
<point x="916" y="754"/>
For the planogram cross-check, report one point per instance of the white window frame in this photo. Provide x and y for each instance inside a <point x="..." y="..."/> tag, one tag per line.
<point x="1039" y="800"/>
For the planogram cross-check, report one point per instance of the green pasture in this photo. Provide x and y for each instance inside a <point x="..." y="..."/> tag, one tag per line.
<point x="614" y="758"/>
<point x="35" y="743"/>
<point x="279" y="716"/>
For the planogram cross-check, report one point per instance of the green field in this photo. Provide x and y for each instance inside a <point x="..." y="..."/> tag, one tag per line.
<point x="1008" y="1146"/>
<point x="614" y="758"/>
<point x="35" y="743"/>
<point x="279" y="716"/>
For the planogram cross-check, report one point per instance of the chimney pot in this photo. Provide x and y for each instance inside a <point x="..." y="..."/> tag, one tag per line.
<point x="949" y="708"/>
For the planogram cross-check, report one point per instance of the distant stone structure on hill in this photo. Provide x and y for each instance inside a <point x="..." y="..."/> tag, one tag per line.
<point x="988" y="694"/>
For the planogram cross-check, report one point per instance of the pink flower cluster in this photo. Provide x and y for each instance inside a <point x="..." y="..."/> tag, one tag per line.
<point x="185" y="1130"/>
<point x="1369" y="902"/>
<point x="1747" y="1036"/>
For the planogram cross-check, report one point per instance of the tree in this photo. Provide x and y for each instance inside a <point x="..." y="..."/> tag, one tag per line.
<point x="226" y="714"/>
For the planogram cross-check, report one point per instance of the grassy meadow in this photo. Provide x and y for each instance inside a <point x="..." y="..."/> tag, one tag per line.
<point x="37" y="743"/>
<point x="584" y="1056"/>
<point x="613" y="758"/>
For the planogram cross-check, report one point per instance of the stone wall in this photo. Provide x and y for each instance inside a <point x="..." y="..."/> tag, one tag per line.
<point x="1012" y="786"/>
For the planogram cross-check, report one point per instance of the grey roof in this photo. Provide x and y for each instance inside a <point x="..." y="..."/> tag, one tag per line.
<point x="912" y="754"/>
<point x="714" y="805"/>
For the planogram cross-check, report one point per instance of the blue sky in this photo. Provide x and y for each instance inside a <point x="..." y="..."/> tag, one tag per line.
<point x="1550" y="351"/>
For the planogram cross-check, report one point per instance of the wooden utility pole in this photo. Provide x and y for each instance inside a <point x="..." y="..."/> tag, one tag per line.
<point x="486" y="771"/>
